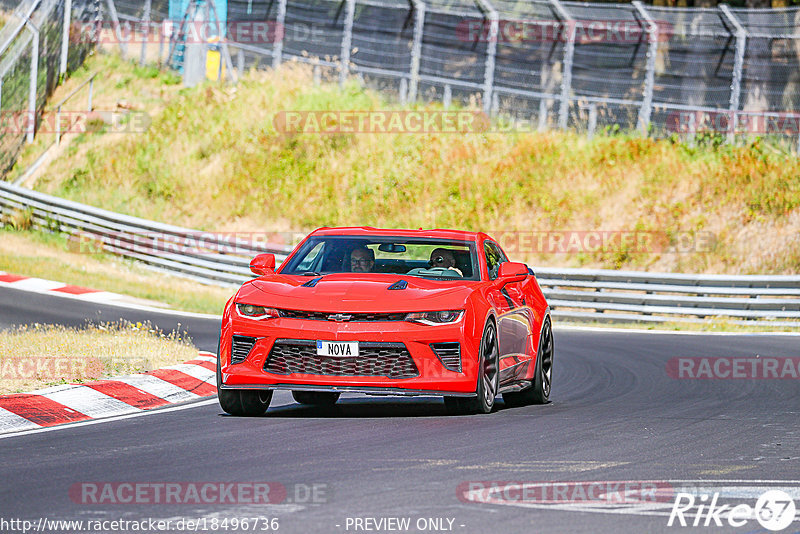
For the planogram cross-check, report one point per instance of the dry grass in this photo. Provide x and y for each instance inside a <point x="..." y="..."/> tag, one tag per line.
<point x="54" y="258"/>
<point x="37" y="356"/>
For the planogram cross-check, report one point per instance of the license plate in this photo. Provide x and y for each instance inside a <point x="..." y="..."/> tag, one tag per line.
<point x="338" y="349"/>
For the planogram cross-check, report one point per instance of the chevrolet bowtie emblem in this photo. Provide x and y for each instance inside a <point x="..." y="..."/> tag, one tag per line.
<point x="340" y="317"/>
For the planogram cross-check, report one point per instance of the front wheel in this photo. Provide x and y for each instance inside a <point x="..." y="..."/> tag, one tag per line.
<point x="241" y="402"/>
<point x="488" y="378"/>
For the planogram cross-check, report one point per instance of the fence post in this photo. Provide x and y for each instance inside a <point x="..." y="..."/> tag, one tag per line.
<point x="224" y="51"/>
<point x="112" y="10"/>
<point x="347" y="40"/>
<point x="65" y="35"/>
<point x="592" y="126"/>
<point x="491" y="53"/>
<point x="569" y="51"/>
<point x="738" y="63"/>
<point x="416" y="48"/>
<point x="146" y="38"/>
<point x="280" y="35"/>
<point x="649" y="78"/>
<point x="33" y="81"/>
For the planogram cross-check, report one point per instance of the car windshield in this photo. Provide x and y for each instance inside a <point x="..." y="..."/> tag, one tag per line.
<point x="439" y="259"/>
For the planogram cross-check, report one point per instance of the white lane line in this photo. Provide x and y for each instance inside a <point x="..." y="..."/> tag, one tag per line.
<point x="9" y="421"/>
<point x="87" y="401"/>
<point x="99" y="296"/>
<point x="157" y="387"/>
<point x="109" y="419"/>
<point x="576" y="328"/>
<point x="196" y="371"/>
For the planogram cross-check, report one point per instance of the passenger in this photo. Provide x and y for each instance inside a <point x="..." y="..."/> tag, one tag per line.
<point x="444" y="259"/>
<point x="362" y="260"/>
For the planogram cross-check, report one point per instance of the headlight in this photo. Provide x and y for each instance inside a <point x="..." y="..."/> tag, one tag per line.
<point x="435" y="317"/>
<point x="256" y="312"/>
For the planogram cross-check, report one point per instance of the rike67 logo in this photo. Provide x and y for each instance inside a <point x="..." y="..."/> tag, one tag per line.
<point x="774" y="510"/>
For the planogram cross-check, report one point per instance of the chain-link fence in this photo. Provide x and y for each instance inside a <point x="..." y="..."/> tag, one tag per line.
<point x="39" y="42"/>
<point x="729" y="72"/>
<point x="552" y="63"/>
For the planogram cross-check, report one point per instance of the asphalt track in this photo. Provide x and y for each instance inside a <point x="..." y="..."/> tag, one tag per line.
<point x="616" y="415"/>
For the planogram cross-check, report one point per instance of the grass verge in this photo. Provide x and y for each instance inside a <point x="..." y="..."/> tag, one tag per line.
<point x="38" y="356"/>
<point x="50" y="256"/>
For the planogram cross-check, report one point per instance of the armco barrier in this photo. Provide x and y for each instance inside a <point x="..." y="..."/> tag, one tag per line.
<point x="573" y="294"/>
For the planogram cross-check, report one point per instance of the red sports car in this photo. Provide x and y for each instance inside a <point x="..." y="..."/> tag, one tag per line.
<point x="387" y="312"/>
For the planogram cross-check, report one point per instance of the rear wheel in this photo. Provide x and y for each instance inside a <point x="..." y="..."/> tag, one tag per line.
<point x="539" y="391"/>
<point x="241" y="402"/>
<point x="488" y="378"/>
<point x="316" y="398"/>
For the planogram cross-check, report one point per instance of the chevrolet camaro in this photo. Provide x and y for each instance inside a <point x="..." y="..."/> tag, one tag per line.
<point x="387" y="312"/>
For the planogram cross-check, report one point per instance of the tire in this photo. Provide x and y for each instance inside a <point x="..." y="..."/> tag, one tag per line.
<point x="540" y="386"/>
<point x="488" y="378"/>
<point x="241" y="402"/>
<point x="316" y="398"/>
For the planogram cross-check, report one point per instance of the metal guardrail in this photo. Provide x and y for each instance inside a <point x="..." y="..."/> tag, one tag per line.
<point x="573" y="294"/>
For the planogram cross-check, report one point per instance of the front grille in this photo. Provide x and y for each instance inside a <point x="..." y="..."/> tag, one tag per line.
<point x="345" y="317"/>
<point x="449" y="354"/>
<point x="391" y="360"/>
<point x="240" y="348"/>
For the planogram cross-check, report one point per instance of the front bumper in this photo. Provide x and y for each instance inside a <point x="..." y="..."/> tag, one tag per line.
<point x="433" y="377"/>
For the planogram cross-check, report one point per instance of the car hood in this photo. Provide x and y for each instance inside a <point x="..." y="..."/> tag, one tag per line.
<point x="350" y="292"/>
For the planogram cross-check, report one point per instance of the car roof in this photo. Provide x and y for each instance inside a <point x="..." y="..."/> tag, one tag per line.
<point x="369" y="231"/>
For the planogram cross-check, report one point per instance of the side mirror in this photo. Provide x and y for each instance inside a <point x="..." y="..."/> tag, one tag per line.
<point x="511" y="272"/>
<point x="263" y="264"/>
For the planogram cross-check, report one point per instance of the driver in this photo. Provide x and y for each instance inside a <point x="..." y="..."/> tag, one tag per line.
<point x="444" y="259"/>
<point x="362" y="260"/>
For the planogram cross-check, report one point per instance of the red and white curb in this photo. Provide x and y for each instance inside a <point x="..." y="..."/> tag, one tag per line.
<point x="40" y="285"/>
<point x="123" y="395"/>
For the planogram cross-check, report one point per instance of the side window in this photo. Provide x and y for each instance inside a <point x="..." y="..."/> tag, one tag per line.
<point x="494" y="257"/>
<point x="311" y="258"/>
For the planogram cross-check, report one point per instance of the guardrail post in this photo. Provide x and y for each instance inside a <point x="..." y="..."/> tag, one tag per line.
<point x="146" y="25"/>
<point x="566" y="69"/>
<point x="279" y="35"/>
<point x="738" y="63"/>
<point x="65" y="35"/>
<point x="347" y="40"/>
<point x="33" y="81"/>
<point x="491" y="53"/>
<point x="646" y="108"/>
<point x="416" y="49"/>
